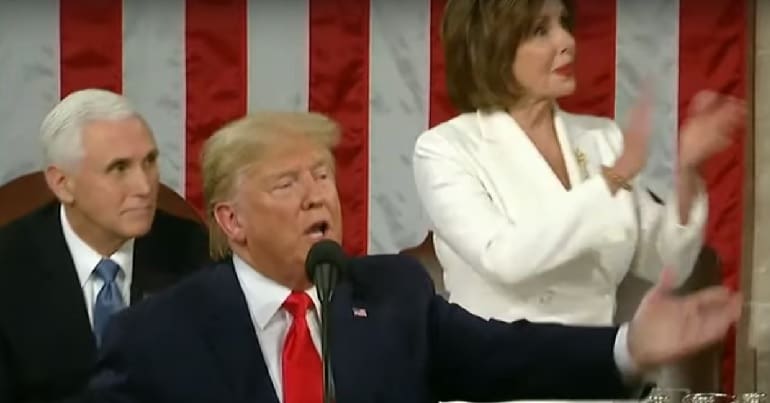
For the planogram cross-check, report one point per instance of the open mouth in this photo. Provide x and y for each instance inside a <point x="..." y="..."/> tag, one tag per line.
<point x="318" y="229"/>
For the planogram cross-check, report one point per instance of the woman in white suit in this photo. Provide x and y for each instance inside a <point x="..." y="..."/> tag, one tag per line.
<point x="536" y="213"/>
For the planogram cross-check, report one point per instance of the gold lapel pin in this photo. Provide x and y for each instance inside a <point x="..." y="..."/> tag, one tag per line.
<point x="582" y="163"/>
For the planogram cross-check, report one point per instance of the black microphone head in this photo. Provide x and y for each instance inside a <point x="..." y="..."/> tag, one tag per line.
<point x="325" y="251"/>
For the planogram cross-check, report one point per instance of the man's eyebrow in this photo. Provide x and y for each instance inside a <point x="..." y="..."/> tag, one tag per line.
<point x="117" y="161"/>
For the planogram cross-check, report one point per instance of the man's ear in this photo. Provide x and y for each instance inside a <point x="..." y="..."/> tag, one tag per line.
<point x="229" y="222"/>
<point x="60" y="183"/>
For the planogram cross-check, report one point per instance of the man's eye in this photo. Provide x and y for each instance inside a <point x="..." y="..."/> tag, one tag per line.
<point x="119" y="167"/>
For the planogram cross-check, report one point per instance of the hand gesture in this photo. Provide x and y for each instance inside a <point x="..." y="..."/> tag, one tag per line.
<point x="636" y="138"/>
<point x="666" y="327"/>
<point x="708" y="129"/>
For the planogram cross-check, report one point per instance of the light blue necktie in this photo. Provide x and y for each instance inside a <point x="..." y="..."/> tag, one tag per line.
<point x="109" y="300"/>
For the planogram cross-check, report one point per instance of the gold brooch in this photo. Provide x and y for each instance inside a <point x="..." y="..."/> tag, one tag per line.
<point x="582" y="163"/>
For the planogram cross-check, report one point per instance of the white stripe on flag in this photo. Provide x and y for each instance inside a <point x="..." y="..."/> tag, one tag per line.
<point x="278" y="55"/>
<point x="29" y="80"/>
<point x="398" y="114"/>
<point x="154" y="77"/>
<point x="648" y="50"/>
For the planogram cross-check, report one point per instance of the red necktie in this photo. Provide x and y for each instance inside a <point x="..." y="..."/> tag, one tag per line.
<point x="302" y="370"/>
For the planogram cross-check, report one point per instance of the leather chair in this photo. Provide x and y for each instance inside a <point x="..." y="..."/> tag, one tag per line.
<point x="426" y="255"/>
<point x="699" y="373"/>
<point x="29" y="192"/>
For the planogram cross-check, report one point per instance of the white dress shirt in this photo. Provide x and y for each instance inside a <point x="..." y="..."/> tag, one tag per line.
<point x="265" y="298"/>
<point x="86" y="258"/>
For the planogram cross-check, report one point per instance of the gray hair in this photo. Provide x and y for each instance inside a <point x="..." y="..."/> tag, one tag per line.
<point x="61" y="132"/>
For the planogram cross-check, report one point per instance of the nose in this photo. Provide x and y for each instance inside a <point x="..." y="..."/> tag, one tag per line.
<point x="142" y="182"/>
<point x="314" y="194"/>
<point x="566" y="42"/>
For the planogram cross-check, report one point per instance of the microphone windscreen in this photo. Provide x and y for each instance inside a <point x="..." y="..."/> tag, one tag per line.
<point x="325" y="251"/>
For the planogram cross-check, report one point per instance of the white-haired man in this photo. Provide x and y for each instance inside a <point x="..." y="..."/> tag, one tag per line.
<point x="67" y="267"/>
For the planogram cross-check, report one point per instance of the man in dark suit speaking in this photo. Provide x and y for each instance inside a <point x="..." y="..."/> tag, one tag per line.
<point x="247" y="330"/>
<point x="65" y="268"/>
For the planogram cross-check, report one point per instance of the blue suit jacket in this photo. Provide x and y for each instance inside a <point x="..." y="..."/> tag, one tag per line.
<point x="196" y="343"/>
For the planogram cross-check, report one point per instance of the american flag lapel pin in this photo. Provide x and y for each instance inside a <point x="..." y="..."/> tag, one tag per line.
<point x="359" y="312"/>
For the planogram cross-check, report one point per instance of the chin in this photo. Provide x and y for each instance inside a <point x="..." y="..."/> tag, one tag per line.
<point x="562" y="95"/>
<point x="335" y="236"/>
<point x="563" y="87"/>
<point x="564" y="91"/>
<point x="137" y="228"/>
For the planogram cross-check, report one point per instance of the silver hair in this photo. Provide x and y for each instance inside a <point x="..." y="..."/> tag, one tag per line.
<point x="61" y="132"/>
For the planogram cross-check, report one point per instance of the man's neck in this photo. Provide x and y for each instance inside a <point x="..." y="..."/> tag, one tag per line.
<point x="101" y="241"/>
<point x="293" y="279"/>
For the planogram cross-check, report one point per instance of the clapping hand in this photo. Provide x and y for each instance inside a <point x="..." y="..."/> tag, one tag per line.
<point x="636" y="138"/>
<point x="709" y="127"/>
<point x="667" y="327"/>
<point x="711" y="121"/>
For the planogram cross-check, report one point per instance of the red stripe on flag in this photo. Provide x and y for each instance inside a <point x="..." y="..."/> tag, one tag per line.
<point x="712" y="55"/>
<point x="216" y="77"/>
<point x="595" y="59"/>
<point x="339" y="88"/>
<point x="91" y="45"/>
<point x="440" y="107"/>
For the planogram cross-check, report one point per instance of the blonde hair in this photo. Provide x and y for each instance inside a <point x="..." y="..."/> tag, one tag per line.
<point x="238" y="145"/>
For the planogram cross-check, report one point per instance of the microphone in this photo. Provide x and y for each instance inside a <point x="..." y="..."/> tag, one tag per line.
<point x="324" y="266"/>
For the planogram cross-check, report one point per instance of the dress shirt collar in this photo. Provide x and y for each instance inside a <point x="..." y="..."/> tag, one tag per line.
<point x="86" y="258"/>
<point x="264" y="296"/>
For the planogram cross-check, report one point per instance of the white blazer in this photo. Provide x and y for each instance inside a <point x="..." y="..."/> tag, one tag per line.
<point x="514" y="243"/>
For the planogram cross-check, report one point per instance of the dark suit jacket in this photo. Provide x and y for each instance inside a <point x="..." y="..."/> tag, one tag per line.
<point x="47" y="348"/>
<point x="196" y="343"/>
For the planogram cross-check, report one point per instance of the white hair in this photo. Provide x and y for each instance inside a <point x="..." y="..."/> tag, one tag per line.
<point x="61" y="132"/>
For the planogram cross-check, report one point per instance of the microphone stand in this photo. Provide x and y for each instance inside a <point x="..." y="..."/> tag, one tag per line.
<point x="324" y="288"/>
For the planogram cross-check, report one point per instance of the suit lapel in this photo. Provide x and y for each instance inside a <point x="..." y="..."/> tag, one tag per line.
<point x="59" y="305"/>
<point x="575" y="159"/>
<point x="508" y="153"/>
<point x="141" y="270"/>
<point x="512" y="150"/>
<point x="153" y="267"/>
<point x="593" y="142"/>
<point x="358" y="320"/>
<point x="230" y="334"/>
<point x="150" y="271"/>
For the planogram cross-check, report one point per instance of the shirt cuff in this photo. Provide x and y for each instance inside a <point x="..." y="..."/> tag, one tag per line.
<point x="626" y="365"/>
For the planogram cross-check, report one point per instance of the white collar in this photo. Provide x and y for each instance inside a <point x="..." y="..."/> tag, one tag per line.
<point x="85" y="257"/>
<point x="263" y="295"/>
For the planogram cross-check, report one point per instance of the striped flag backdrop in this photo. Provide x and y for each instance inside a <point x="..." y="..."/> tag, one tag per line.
<point x="375" y="66"/>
